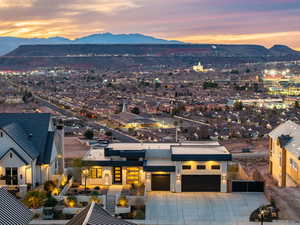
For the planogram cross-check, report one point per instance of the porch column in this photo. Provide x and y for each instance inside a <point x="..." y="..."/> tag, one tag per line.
<point x="33" y="173"/>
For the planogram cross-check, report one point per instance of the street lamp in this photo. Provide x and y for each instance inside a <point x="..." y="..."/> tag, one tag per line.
<point x="85" y="173"/>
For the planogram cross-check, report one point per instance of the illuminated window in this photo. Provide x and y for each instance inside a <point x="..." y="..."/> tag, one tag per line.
<point x="201" y="167"/>
<point x="215" y="167"/>
<point x="96" y="173"/>
<point x="186" y="167"/>
<point x="132" y="175"/>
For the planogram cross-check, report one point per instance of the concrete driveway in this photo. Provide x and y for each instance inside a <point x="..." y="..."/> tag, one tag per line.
<point x="201" y="208"/>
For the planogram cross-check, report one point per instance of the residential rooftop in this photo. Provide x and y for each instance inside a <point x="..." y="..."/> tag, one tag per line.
<point x="290" y="131"/>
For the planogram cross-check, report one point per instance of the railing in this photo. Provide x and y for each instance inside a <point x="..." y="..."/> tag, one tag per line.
<point x="66" y="188"/>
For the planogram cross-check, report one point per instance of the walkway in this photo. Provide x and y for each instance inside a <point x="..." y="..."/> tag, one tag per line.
<point x="113" y="191"/>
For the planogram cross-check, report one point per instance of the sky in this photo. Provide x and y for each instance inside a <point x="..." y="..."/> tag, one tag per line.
<point x="265" y="22"/>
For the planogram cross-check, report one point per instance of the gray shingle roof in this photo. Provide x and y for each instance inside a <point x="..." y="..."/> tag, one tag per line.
<point x="12" y="211"/>
<point x="21" y="138"/>
<point x="22" y="125"/>
<point x="95" y="215"/>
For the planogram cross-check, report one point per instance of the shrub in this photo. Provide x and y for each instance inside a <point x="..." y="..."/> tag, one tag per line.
<point x="49" y="186"/>
<point x="95" y="199"/>
<point x="50" y="202"/>
<point x="122" y="201"/>
<point x="97" y="188"/>
<point x="89" y="134"/>
<point x="94" y="193"/>
<point x="139" y="214"/>
<point x="34" y="199"/>
<point x="71" y="201"/>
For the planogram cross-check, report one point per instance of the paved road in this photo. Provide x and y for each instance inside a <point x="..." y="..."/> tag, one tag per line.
<point x="116" y="134"/>
<point x="201" y="208"/>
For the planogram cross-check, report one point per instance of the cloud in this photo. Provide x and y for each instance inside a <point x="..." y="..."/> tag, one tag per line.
<point x="264" y="21"/>
<point x="16" y="3"/>
<point x="267" y="39"/>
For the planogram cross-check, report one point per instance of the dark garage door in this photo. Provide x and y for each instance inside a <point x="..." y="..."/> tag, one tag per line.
<point x="247" y="186"/>
<point x="205" y="183"/>
<point x="160" y="182"/>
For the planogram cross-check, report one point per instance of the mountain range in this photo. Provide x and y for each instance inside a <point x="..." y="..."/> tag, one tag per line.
<point x="8" y="44"/>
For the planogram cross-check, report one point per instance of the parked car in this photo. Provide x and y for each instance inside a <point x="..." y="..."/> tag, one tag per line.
<point x="270" y="213"/>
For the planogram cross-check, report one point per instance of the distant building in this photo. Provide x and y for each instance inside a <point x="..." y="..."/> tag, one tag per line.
<point x="131" y="120"/>
<point x="200" y="68"/>
<point x="284" y="151"/>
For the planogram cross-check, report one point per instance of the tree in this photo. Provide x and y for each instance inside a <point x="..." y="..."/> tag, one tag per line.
<point x="209" y="84"/>
<point x="235" y="72"/>
<point x="108" y="133"/>
<point x="135" y="110"/>
<point x="77" y="163"/>
<point x="238" y="105"/>
<point x="89" y="134"/>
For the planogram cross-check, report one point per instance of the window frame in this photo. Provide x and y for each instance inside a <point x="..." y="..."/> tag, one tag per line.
<point x="95" y="171"/>
<point x="186" y="167"/>
<point x="215" y="167"/>
<point x="203" y="167"/>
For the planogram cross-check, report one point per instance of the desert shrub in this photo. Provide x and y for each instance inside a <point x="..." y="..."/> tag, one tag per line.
<point x="34" y="199"/>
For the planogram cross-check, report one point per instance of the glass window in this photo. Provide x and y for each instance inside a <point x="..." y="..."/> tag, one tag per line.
<point x="293" y="164"/>
<point x="186" y="167"/>
<point x="215" y="167"/>
<point x="96" y="173"/>
<point x="201" y="167"/>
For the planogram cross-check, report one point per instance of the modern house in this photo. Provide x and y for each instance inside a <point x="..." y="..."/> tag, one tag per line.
<point x="176" y="167"/>
<point x="284" y="152"/>
<point x="31" y="149"/>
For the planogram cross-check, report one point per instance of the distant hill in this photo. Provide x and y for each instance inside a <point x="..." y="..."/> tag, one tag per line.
<point x="150" y="50"/>
<point x="8" y="44"/>
<point x="281" y="50"/>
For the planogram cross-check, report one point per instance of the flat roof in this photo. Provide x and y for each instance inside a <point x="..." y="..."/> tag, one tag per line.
<point x="146" y="146"/>
<point x="160" y="162"/>
<point x="95" y="155"/>
<point x="199" y="150"/>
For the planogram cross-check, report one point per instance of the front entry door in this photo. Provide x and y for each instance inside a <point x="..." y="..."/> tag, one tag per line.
<point x="117" y="175"/>
<point x="11" y="175"/>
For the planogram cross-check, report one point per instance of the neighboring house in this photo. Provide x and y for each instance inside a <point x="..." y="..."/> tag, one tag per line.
<point x="130" y="120"/>
<point x="12" y="210"/>
<point x="176" y="167"/>
<point x="96" y="215"/>
<point x="284" y="152"/>
<point x="31" y="149"/>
